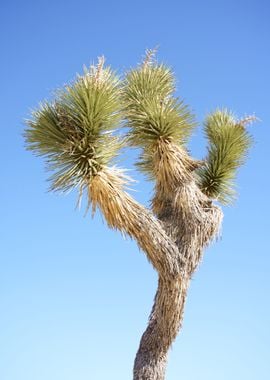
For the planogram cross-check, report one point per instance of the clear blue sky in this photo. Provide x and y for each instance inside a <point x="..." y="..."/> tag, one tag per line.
<point x="74" y="296"/>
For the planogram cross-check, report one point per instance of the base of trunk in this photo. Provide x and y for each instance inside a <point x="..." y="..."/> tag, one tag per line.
<point x="148" y="368"/>
<point x="164" y="324"/>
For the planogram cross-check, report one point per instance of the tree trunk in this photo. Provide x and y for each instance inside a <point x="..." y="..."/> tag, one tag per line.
<point x="173" y="240"/>
<point x="164" y="324"/>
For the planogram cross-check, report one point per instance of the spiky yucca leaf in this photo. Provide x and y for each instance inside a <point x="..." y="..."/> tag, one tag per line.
<point x="228" y="146"/>
<point x="75" y="131"/>
<point x="151" y="111"/>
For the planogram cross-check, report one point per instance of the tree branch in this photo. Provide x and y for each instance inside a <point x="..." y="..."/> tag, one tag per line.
<point x="123" y="213"/>
<point x="188" y="216"/>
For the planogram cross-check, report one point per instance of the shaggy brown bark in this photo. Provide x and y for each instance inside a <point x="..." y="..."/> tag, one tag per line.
<point x="173" y="236"/>
<point x="191" y="221"/>
<point x="164" y="324"/>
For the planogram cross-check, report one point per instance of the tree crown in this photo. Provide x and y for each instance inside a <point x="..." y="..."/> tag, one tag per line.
<point x="77" y="131"/>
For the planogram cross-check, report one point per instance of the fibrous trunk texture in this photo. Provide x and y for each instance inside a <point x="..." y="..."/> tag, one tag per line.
<point x="164" y="324"/>
<point x="191" y="221"/>
<point x="173" y="237"/>
<point x="128" y="216"/>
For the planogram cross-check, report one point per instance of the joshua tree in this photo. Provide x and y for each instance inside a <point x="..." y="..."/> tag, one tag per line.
<point x="76" y="132"/>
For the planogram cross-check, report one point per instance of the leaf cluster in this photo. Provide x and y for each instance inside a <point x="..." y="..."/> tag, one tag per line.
<point x="229" y="142"/>
<point x="75" y="131"/>
<point x="151" y="111"/>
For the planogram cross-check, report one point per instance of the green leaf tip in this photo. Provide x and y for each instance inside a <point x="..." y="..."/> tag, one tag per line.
<point x="229" y="142"/>
<point x="151" y="111"/>
<point x="75" y="131"/>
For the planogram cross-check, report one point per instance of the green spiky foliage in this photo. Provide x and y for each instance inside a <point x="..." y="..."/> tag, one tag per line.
<point x="229" y="142"/>
<point x="75" y="131"/>
<point x="151" y="111"/>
